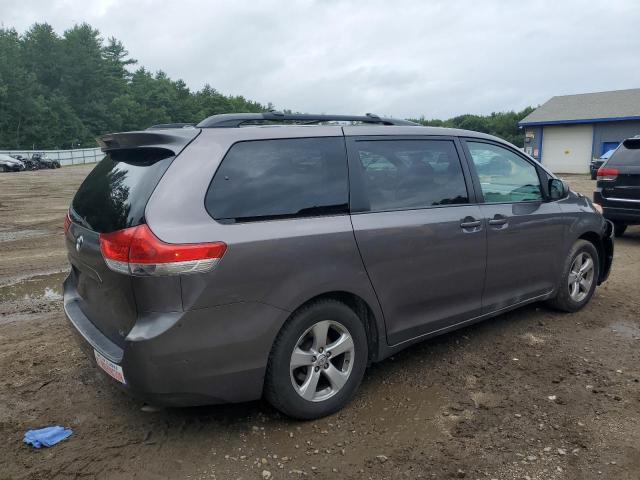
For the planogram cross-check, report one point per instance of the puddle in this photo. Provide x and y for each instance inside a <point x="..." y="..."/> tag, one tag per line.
<point x="45" y="287"/>
<point x="627" y="330"/>
<point x="14" y="235"/>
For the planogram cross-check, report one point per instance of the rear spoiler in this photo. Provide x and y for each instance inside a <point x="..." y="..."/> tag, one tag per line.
<point x="173" y="140"/>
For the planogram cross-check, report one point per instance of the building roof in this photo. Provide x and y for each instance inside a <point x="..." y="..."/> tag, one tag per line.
<point x="617" y="105"/>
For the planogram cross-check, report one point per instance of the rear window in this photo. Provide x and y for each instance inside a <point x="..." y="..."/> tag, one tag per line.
<point x="287" y="178"/>
<point x="627" y="154"/>
<point x="115" y="193"/>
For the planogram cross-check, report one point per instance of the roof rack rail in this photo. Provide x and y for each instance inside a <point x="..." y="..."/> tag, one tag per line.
<point x="166" y="126"/>
<point x="230" y="120"/>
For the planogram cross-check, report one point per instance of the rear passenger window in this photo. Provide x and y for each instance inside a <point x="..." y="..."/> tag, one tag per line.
<point x="405" y="174"/>
<point x="505" y="177"/>
<point x="289" y="178"/>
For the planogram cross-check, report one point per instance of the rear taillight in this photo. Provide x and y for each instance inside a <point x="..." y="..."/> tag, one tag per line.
<point x="605" y="173"/>
<point x="137" y="251"/>
<point x="67" y="223"/>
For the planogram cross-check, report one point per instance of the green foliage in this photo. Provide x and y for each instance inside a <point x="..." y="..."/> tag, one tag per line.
<point x="502" y="124"/>
<point x="64" y="91"/>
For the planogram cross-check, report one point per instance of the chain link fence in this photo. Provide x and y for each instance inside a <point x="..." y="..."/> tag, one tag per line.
<point x="65" y="157"/>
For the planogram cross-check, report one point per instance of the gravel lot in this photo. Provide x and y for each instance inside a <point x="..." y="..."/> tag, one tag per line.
<point x="531" y="394"/>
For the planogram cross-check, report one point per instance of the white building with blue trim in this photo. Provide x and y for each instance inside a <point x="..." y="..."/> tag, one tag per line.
<point x="568" y="131"/>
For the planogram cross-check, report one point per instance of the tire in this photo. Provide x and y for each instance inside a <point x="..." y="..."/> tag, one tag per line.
<point x="619" y="229"/>
<point x="594" y="175"/>
<point x="3" y="168"/>
<point x="567" y="299"/>
<point x="286" y="389"/>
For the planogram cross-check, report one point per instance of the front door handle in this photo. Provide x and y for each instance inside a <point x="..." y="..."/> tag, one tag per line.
<point x="470" y="222"/>
<point x="498" y="220"/>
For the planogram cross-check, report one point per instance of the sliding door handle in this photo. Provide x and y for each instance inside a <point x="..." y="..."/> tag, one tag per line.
<point x="470" y="222"/>
<point x="498" y="220"/>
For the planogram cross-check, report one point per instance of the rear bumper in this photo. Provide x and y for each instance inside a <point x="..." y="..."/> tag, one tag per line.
<point x="626" y="212"/>
<point x="624" y="215"/>
<point x="206" y="356"/>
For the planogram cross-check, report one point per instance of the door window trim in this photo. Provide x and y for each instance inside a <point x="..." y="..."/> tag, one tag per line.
<point x="358" y="202"/>
<point x="476" y="177"/>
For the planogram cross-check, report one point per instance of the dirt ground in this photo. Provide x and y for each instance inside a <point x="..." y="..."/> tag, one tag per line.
<point x="532" y="394"/>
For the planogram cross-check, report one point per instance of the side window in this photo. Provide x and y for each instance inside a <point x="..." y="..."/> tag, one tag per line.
<point x="268" y="179"/>
<point x="404" y="174"/>
<point x="504" y="175"/>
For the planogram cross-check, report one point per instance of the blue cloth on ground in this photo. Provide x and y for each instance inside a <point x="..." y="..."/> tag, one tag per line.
<point x="47" y="437"/>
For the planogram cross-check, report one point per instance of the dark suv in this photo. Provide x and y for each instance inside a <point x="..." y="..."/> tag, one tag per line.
<point x="278" y="255"/>
<point x="618" y="187"/>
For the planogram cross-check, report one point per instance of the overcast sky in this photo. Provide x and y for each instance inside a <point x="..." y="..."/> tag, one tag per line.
<point x="401" y="58"/>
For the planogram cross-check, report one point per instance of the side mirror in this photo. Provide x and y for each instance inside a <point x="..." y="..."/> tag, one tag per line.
<point x="557" y="189"/>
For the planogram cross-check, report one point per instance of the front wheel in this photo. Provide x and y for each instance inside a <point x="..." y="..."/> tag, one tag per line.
<point x="579" y="278"/>
<point x="317" y="361"/>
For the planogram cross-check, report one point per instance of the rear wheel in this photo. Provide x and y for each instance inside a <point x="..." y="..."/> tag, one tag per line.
<point x="3" y="168"/>
<point x="619" y="229"/>
<point x="594" y="175"/>
<point x="579" y="278"/>
<point x="317" y="361"/>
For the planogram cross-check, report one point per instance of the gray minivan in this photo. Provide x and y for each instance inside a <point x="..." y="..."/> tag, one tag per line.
<point x="278" y="255"/>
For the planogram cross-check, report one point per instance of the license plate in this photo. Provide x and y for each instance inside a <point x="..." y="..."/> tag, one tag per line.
<point x="113" y="369"/>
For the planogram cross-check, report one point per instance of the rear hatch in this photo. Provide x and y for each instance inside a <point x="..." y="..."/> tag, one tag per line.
<point x="621" y="184"/>
<point x="113" y="197"/>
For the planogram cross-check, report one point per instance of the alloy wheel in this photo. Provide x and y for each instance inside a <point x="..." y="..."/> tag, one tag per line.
<point x="581" y="276"/>
<point x="322" y="361"/>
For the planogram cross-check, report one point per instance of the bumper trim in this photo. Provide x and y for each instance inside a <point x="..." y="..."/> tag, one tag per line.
<point x="624" y="200"/>
<point x="90" y="333"/>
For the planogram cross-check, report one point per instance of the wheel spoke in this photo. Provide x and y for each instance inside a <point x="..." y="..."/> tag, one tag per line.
<point x="300" y="358"/>
<point x="341" y="345"/>
<point x="308" y="388"/>
<point x="574" y="289"/>
<point x="336" y="378"/>
<point x="573" y="277"/>
<point x="586" y="265"/>
<point x="320" y="331"/>
<point x="584" y="284"/>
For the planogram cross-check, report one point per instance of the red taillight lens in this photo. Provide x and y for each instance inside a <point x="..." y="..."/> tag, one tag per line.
<point x="605" y="173"/>
<point x="138" y="251"/>
<point x="67" y="223"/>
<point x="115" y="246"/>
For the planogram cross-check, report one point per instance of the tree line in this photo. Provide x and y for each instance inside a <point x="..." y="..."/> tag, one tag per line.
<point x="500" y="124"/>
<point x="62" y="91"/>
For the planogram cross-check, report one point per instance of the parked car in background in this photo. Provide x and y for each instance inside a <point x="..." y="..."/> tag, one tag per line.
<point x="44" y="161"/>
<point x="234" y="260"/>
<point x="10" y="164"/>
<point x="596" y="163"/>
<point x="618" y="187"/>
<point x="29" y="164"/>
